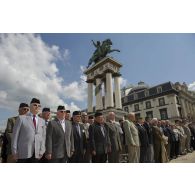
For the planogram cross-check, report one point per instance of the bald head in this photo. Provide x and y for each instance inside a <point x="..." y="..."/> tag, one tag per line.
<point x="131" y="116"/>
<point x="154" y="121"/>
<point x="111" y="116"/>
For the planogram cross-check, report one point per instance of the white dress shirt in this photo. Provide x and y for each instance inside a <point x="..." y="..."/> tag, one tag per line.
<point x="62" y="122"/>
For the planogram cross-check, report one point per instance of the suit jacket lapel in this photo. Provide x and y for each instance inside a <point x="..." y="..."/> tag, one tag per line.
<point x="60" y="126"/>
<point x="29" y="118"/>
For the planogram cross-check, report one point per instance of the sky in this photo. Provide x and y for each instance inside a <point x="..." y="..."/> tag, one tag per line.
<point x="50" y="66"/>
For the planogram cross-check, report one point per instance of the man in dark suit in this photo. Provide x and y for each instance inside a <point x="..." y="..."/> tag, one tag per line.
<point x="150" y="152"/>
<point x="59" y="138"/>
<point x="46" y="114"/>
<point x="79" y="138"/>
<point x="144" y="143"/>
<point x="68" y="115"/>
<point x="99" y="139"/>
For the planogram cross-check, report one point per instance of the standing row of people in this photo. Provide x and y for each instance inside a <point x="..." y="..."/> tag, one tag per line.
<point x="34" y="137"/>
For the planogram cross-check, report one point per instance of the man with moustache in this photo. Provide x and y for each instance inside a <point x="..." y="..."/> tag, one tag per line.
<point x="59" y="138"/>
<point x="28" y="143"/>
<point x="6" y="149"/>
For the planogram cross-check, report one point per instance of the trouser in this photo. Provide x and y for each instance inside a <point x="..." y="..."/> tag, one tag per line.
<point x="58" y="160"/>
<point x="43" y="159"/>
<point x="10" y="159"/>
<point x="182" y="144"/>
<point x="29" y="160"/>
<point x="143" y="154"/>
<point x="113" y="157"/>
<point x="177" y="145"/>
<point x="150" y="153"/>
<point x="87" y="155"/>
<point x="77" y="158"/>
<point x="187" y="145"/>
<point x="172" y="153"/>
<point x="99" y="158"/>
<point x="133" y="154"/>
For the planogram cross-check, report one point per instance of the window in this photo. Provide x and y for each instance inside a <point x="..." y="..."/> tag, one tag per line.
<point x="149" y="114"/>
<point x="126" y="109"/>
<point x="159" y="89"/>
<point x="136" y="107"/>
<point x="180" y="113"/>
<point x="126" y="99"/>
<point x="146" y="93"/>
<point x="148" y="105"/>
<point x="163" y="114"/>
<point x="137" y="116"/>
<point x="135" y="96"/>
<point x="161" y="101"/>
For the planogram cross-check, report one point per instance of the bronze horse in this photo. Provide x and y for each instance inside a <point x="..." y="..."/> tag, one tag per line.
<point x="101" y="51"/>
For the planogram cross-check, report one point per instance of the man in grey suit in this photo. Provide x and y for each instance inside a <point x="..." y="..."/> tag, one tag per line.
<point x="132" y="138"/>
<point x="59" y="138"/>
<point x="28" y="141"/>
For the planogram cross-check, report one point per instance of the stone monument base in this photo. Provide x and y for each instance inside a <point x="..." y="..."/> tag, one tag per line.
<point x="119" y="113"/>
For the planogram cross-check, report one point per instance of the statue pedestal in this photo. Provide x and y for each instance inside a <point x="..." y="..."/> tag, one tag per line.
<point x="118" y="113"/>
<point x="99" y="76"/>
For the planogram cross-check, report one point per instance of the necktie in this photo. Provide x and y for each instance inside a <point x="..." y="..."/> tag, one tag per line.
<point x="78" y="129"/>
<point x="34" y="121"/>
<point x="102" y="130"/>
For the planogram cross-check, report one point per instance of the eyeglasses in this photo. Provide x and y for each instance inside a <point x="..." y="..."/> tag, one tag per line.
<point x="37" y="105"/>
<point x="25" y="109"/>
<point x="62" y="111"/>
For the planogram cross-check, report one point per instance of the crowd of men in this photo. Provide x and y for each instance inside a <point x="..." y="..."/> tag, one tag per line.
<point x="34" y="137"/>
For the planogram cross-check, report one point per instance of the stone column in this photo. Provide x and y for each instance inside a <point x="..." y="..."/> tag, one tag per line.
<point x="117" y="92"/>
<point x="99" y="104"/>
<point x="105" y="96"/>
<point x="183" y="106"/>
<point x="109" y="90"/>
<point x="90" y="97"/>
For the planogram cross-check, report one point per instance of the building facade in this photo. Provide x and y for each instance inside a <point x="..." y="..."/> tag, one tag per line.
<point x="165" y="101"/>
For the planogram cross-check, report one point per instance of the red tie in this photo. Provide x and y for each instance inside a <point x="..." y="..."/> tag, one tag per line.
<point x="34" y="121"/>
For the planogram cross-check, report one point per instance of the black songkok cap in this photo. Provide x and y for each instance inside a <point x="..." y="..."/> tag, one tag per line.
<point x="60" y="108"/>
<point x="76" y="113"/>
<point x="23" y="105"/>
<point x="67" y="111"/>
<point x="98" y="114"/>
<point x="34" y="100"/>
<point x="46" y="110"/>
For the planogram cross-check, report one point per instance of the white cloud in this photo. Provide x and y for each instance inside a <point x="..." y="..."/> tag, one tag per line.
<point x="123" y="82"/>
<point x="192" y="86"/>
<point x="77" y="90"/>
<point x="28" y="69"/>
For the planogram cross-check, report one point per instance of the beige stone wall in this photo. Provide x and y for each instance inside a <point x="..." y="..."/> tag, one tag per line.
<point x="170" y="104"/>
